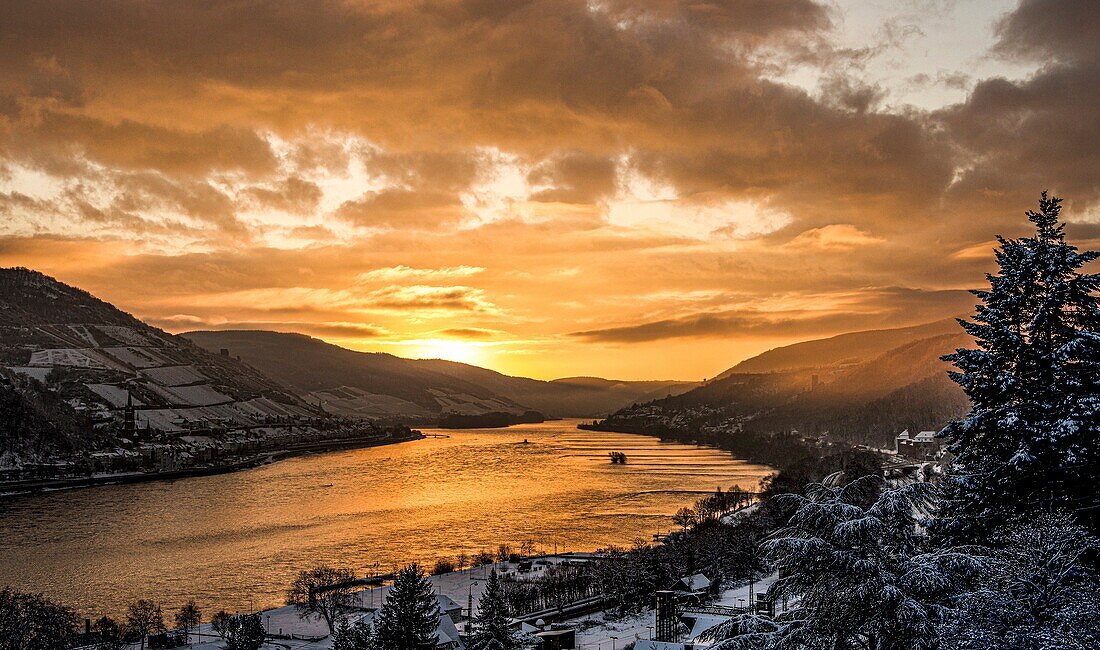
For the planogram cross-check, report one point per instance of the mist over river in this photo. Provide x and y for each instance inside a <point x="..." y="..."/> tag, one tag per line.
<point x="227" y="539"/>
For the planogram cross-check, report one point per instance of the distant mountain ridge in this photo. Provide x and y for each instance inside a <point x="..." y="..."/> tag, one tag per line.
<point x="852" y="347"/>
<point x="862" y="387"/>
<point x="374" y="384"/>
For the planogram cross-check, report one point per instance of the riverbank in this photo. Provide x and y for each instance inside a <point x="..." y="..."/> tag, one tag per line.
<point x="781" y="450"/>
<point x="235" y="541"/>
<point x="18" y="488"/>
<point x="494" y="420"/>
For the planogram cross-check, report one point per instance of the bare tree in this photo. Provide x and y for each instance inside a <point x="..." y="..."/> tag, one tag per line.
<point x="188" y="618"/>
<point x="145" y="618"/>
<point x="325" y="591"/>
<point x="109" y="634"/>
<point x="684" y="518"/>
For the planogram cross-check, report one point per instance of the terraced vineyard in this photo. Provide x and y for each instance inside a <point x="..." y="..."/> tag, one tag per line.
<point x="59" y="341"/>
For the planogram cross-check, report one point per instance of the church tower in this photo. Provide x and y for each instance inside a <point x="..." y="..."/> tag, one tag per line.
<point x="129" y="424"/>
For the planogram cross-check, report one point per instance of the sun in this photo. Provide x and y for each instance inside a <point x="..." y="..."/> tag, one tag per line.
<point x="450" y="350"/>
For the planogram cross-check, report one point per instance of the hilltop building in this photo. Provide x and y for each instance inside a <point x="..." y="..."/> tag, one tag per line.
<point x="922" y="446"/>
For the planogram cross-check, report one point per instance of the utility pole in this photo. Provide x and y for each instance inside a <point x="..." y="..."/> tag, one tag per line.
<point x="752" y="573"/>
<point x="470" y="608"/>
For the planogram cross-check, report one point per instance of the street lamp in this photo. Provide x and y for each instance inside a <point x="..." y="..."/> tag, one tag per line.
<point x="470" y="605"/>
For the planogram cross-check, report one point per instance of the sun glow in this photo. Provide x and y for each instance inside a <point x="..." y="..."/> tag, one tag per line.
<point x="449" y="350"/>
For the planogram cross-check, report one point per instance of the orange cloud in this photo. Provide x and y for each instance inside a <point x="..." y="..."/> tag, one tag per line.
<point x="633" y="172"/>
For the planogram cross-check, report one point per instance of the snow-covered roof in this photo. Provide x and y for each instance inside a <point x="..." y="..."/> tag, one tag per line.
<point x="650" y="644"/>
<point x="695" y="582"/>
<point x="926" y="436"/>
<point x="904" y="435"/>
<point x="448" y="633"/>
<point x="446" y="603"/>
<point x="702" y="623"/>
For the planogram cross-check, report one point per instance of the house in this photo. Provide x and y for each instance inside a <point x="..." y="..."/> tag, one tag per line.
<point x="693" y="584"/>
<point x="563" y="639"/>
<point x="650" y="644"/>
<point x="921" y="446"/>
<point x="449" y="608"/>
<point x="699" y="623"/>
<point x="447" y="636"/>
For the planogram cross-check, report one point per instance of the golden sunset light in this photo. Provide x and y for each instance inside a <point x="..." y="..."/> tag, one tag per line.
<point x="554" y="188"/>
<point x="549" y="324"/>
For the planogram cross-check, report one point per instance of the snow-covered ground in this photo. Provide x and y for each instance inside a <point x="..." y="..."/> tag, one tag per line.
<point x="739" y="596"/>
<point x="597" y="631"/>
<point x="459" y="586"/>
<point x="600" y="632"/>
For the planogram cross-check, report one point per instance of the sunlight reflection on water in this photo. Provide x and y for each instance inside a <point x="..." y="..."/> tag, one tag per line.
<point x="225" y="539"/>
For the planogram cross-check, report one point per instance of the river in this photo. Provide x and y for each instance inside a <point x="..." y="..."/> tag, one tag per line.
<point x="235" y="541"/>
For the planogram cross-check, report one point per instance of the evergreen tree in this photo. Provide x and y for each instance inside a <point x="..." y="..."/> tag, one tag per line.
<point x="410" y="616"/>
<point x="858" y="573"/>
<point x="491" y="625"/>
<point x="1029" y="441"/>
<point x="242" y="632"/>
<point x="355" y="636"/>
<point x="1038" y="591"/>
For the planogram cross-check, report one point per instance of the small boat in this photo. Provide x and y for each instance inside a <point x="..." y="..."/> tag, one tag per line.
<point x="327" y="485"/>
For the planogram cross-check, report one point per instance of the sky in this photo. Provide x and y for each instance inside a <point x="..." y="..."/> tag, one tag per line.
<point x="632" y="189"/>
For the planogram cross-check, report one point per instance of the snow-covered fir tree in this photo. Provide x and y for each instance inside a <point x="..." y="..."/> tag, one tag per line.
<point x="353" y="636"/>
<point x="1030" y="441"/>
<point x="491" y="629"/>
<point x="410" y="615"/>
<point x="858" y="575"/>
<point x="1038" y="592"/>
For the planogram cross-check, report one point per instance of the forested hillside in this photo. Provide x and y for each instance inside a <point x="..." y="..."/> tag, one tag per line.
<point x="823" y="390"/>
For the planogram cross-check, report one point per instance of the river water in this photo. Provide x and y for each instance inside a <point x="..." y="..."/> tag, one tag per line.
<point x="235" y="541"/>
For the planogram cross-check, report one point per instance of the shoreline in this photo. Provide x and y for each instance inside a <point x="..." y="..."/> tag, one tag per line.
<point x="39" y="486"/>
<point x="740" y="447"/>
<point x="219" y="584"/>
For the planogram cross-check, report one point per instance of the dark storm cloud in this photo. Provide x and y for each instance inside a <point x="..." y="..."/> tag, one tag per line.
<point x="1040" y="132"/>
